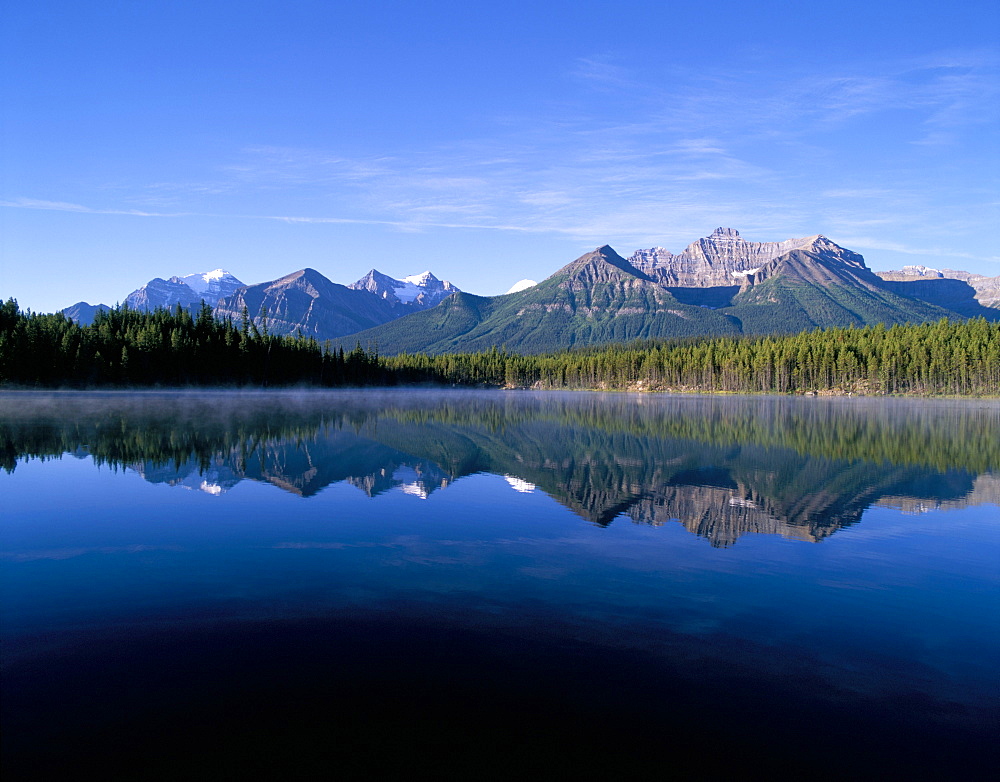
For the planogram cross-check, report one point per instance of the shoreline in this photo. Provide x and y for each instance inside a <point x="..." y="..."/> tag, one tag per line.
<point x="645" y="391"/>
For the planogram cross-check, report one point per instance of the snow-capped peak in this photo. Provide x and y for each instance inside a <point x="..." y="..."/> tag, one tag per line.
<point x="407" y="291"/>
<point x="420" y="279"/>
<point x="203" y="281"/>
<point x="522" y="285"/>
<point x="417" y="290"/>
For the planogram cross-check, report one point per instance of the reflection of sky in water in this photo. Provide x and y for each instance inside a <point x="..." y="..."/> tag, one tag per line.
<point x="895" y="614"/>
<point x="132" y="550"/>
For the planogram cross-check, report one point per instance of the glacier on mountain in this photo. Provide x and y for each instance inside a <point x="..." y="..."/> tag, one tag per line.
<point x="417" y="291"/>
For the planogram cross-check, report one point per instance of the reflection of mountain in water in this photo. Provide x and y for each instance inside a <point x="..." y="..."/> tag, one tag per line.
<point x="305" y="467"/>
<point x="721" y="467"/>
<point x="723" y="513"/>
<point x="717" y="492"/>
<point x="985" y="490"/>
<point x="216" y="478"/>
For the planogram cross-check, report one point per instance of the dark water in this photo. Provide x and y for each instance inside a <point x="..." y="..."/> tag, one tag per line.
<point x="487" y="585"/>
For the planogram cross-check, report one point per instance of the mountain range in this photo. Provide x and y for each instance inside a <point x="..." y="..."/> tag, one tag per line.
<point x="721" y="284"/>
<point x="304" y="301"/>
<point x="188" y="291"/>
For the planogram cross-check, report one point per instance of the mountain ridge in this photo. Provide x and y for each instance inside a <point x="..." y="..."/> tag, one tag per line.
<point x="309" y="303"/>
<point x="83" y="312"/>
<point x="797" y="285"/>
<point x="965" y="292"/>
<point x="718" y="285"/>
<point x="418" y="290"/>
<point x="306" y="302"/>
<point x="714" y="260"/>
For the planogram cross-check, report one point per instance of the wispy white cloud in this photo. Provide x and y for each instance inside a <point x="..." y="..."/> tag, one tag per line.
<point x="653" y="159"/>
<point x="858" y="193"/>
<point x="400" y="224"/>
<point x="63" y="206"/>
<point x="705" y="144"/>
<point x="58" y="206"/>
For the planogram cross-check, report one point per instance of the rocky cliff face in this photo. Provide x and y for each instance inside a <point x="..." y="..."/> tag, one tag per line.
<point x="602" y="266"/>
<point x="211" y="286"/>
<point x="416" y="292"/>
<point x="819" y="261"/>
<point x="913" y="273"/>
<point x="188" y="291"/>
<point x="163" y="293"/>
<point x="722" y="259"/>
<point x="307" y="302"/>
<point x="720" y="285"/>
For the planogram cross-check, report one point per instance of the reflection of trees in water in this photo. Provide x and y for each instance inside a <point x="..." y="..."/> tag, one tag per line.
<point x="723" y="467"/>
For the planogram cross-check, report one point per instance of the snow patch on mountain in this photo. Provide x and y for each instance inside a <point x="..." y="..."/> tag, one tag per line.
<point x="716" y="259"/>
<point x="200" y="283"/>
<point x="211" y="286"/>
<point x="188" y="291"/>
<point x="410" y="287"/>
<point x="420" y="279"/>
<point x="522" y="285"/>
<point x="418" y="291"/>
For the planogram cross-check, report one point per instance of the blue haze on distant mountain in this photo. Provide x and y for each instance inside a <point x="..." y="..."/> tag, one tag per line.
<point x="720" y="284"/>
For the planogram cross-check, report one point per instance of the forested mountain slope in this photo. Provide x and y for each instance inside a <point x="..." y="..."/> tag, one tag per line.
<point x="601" y="297"/>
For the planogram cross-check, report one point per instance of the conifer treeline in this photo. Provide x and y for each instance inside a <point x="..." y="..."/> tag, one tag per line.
<point x="125" y="347"/>
<point x="945" y="357"/>
<point x="174" y="348"/>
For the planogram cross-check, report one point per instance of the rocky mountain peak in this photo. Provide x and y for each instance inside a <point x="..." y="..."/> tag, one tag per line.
<point x="417" y="291"/>
<point x="188" y="291"/>
<point x="721" y="259"/>
<point x="306" y="301"/>
<point x="606" y="255"/>
<point x="162" y="293"/>
<point x="600" y="265"/>
<point x="84" y="313"/>
<point x="212" y="285"/>
<point x="421" y="279"/>
<point x="303" y="278"/>
<point x="919" y="271"/>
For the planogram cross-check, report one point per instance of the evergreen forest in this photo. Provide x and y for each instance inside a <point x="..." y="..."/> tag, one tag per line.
<point x="171" y="348"/>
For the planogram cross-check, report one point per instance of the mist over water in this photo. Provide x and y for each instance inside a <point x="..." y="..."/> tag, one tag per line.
<point x="204" y="583"/>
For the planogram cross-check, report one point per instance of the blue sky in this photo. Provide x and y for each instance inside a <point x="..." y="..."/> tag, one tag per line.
<point x="487" y="142"/>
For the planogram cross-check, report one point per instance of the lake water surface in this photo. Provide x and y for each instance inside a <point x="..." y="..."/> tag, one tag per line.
<point x="488" y="584"/>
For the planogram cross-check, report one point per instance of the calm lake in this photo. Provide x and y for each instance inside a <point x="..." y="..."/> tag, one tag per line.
<point x="489" y="584"/>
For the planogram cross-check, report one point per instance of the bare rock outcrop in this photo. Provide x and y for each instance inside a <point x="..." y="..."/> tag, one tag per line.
<point x="722" y="259"/>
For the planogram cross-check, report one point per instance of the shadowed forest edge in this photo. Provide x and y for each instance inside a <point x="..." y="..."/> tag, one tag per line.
<point x="128" y="347"/>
